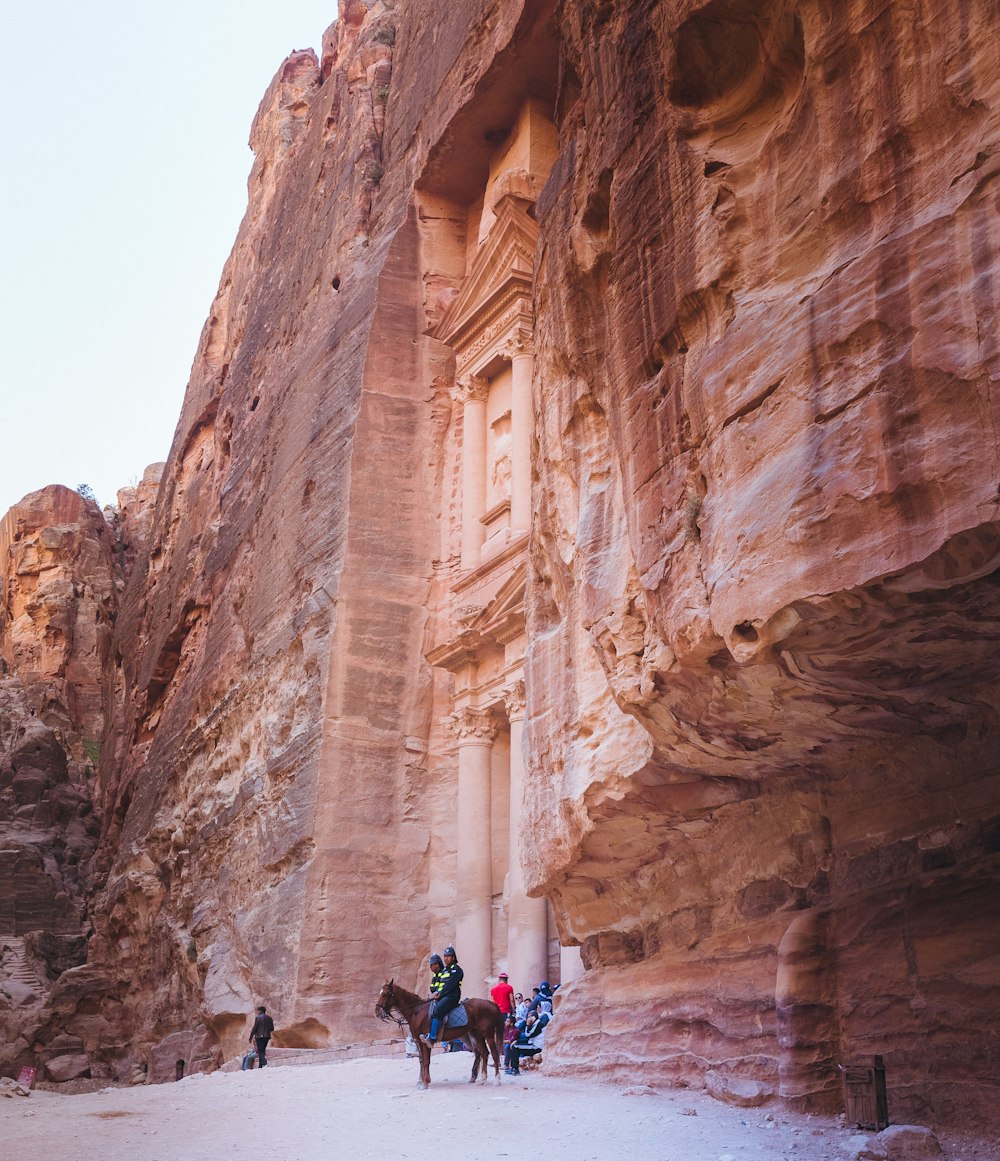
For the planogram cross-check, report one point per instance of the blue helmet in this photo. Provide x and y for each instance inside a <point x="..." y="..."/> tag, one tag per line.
<point x="449" y="950"/>
<point x="436" y="959"/>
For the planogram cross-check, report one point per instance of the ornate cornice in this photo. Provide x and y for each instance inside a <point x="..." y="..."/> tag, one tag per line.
<point x="490" y="338"/>
<point x="474" y="725"/>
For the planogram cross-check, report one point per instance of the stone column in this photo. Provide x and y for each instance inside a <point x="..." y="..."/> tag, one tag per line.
<point x="522" y="367"/>
<point x="471" y="392"/>
<point x="527" y="919"/>
<point x="805" y="996"/>
<point x="476" y="730"/>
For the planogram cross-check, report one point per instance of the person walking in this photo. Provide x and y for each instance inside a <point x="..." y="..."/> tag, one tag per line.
<point x="261" y="1033"/>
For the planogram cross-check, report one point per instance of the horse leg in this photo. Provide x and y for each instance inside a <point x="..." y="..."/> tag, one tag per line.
<point x="495" y="1052"/>
<point x="425" y="1065"/>
<point x="482" y="1058"/>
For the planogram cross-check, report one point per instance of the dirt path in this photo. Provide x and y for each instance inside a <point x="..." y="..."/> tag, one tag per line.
<point x="370" y="1109"/>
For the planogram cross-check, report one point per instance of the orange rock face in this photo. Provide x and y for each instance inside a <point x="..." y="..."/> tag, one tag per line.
<point x="58" y="572"/>
<point x="760" y="782"/>
<point x="762" y="668"/>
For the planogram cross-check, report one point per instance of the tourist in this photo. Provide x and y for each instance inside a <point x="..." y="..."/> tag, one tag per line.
<point x="502" y="994"/>
<point x="543" y="993"/>
<point x="529" y="1043"/>
<point x="509" y="1036"/>
<point x="451" y="976"/>
<point x="261" y="1033"/>
<point x="520" y="1007"/>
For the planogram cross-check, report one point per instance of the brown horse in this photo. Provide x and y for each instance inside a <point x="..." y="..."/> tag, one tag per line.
<point x="483" y="1033"/>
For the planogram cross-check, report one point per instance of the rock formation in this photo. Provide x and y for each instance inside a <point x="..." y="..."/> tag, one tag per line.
<point x="58" y="572"/>
<point x="762" y="670"/>
<point x="756" y="613"/>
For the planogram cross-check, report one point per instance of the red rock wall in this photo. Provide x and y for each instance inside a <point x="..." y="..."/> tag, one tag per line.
<point x="763" y="661"/>
<point x="58" y="579"/>
<point x="268" y="807"/>
<point x="762" y="604"/>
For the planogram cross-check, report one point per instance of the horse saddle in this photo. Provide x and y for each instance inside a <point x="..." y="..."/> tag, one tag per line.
<point x="457" y="1017"/>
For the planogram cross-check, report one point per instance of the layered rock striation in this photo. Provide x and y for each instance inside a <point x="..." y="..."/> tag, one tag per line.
<point x="764" y="592"/>
<point x="760" y="783"/>
<point x="59" y="572"/>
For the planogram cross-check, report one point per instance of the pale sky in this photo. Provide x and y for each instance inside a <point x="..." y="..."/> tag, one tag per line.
<point x="122" y="185"/>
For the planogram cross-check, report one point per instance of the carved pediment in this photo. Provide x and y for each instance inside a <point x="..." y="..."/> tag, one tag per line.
<point x="475" y="626"/>
<point x="501" y="274"/>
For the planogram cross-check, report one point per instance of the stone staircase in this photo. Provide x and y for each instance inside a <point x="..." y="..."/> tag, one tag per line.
<point x="16" y="965"/>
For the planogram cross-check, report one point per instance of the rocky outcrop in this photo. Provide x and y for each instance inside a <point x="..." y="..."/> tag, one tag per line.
<point x="761" y="782"/>
<point x="763" y="665"/>
<point x="58" y="566"/>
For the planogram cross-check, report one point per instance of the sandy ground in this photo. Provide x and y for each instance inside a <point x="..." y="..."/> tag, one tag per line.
<point x="370" y="1109"/>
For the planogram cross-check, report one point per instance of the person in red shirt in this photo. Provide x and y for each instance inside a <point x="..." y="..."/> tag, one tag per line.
<point x="502" y="994"/>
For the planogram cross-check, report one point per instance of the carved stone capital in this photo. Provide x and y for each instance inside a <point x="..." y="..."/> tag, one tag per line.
<point x="519" y="342"/>
<point x="474" y="725"/>
<point x="514" y="700"/>
<point x="471" y="389"/>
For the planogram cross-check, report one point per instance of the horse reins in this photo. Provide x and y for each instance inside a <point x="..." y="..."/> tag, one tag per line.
<point x="401" y="1019"/>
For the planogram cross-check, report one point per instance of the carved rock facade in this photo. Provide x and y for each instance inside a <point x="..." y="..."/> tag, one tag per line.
<point x="741" y="548"/>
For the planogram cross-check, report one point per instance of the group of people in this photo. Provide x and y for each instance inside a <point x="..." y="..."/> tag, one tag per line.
<point x="525" y="1020"/>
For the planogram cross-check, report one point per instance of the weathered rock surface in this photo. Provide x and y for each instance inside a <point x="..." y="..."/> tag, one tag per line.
<point x="763" y="602"/>
<point x="58" y="572"/>
<point x="763" y="665"/>
<point x="56" y="555"/>
<point x="909" y="1143"/>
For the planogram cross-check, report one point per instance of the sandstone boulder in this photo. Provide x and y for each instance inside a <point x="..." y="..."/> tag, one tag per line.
<point x="68" y="1067"/>
<point x="909" y="1143"/>
<point x="744" y="1092"/>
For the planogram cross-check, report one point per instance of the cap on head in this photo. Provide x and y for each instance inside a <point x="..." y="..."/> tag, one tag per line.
<point x="435" y="958"/>
<point x="544" y="984"/>
<point x="503" y="975"/>
<point x="261" y="1008"/>
<point x="450" y="951"/>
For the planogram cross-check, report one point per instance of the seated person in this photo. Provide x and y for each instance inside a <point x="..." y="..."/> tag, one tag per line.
<point x="530" y="1042"/>
<point x="509" y="1036"/>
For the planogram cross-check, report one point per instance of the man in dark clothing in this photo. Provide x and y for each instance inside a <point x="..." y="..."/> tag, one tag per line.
<point x="260" y="1034"/>
<point x="449" y="996"/>
<point x="437" y="967"/>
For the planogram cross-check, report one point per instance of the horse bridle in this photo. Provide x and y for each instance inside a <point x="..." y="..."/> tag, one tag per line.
<point x="384" y="1011"/>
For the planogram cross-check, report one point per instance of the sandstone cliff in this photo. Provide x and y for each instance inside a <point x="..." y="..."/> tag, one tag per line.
<point x="761" y="781"/>
<point x="58" y="576"/>
<point x="763" y="660"/>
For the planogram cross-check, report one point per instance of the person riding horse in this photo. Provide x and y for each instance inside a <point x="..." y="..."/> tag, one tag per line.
<point x="436" y="964"/>
<point x="449" y="981"/>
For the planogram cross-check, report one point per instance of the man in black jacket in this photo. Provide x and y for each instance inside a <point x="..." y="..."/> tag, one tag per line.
<point x="260" y="1034"/>
<point x="449" y="996"/>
